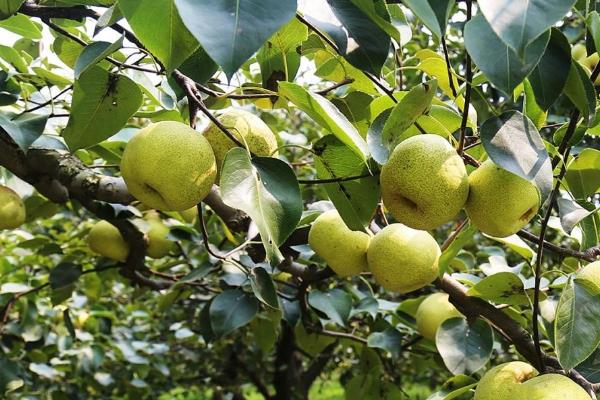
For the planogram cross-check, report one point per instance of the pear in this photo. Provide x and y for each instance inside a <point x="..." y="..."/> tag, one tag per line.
<point x="247" y="128"/>
<point x="158" y="243"/>
<point x="189" y="215"/>
<point x="552" y="387"/>
<point x="403" y="259"/>
<point x="424" y="184"/>
<point x="500" y="203"/>
<point x="589" y="63"/>
<point x="432" y="312"/>
<point x="590" y="276"/>
<point x="344" y="250"/>
<point x="579" y="52"/>
<point x="12" y="209"/>
<point x="169" y="166"/>
<point x="106" y="240"/>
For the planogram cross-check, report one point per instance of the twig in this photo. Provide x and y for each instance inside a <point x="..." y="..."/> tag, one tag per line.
<point x="333" y="180"/>
<point x="468" y="80"/>
<point x="346" y="81"/>
<point x="448" y="66"/>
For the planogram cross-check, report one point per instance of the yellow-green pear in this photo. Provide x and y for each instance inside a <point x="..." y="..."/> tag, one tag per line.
<point x="590" y="276"/>
<point x="579" y="52"/>
<point x="424" y="184"/>
<point x="189" y="215"/>
<point x="169" y="166"/>
<point x="432" y="312"/>
<point x="344" y="250"/>
<point x="590" y="62"/>
<point x="503" y="382"/>
<point x="158" y="243"/>
<point x="12" y="209"/>
<point x="247" y="128"/>
<point x="551" y="387"/>
<point x="403" y="259"/>
<point x="500" y="203"/>
<point x="106" y="240"/>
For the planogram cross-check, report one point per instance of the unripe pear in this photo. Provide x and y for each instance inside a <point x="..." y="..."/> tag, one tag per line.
<point x="590" y="276"/>
<point x="552" y="387"/>
<point x="579" y="52"/>
<point x="344" y="250"/>
<point x="590" y="63"/>
<point x="432" y="312"/>
<point x="503" y="381"/>
<point x="424" y="184"/>
<point x="12" y="209"/>
<point x="403" y="259"/>
<point x="106" y="240"/>
<point x="500" y="203"/>
<point x="169" y="166"/>
<point x="158" y="243"/>
<point x="189" y="215"/>
<point x="247" y="128"/>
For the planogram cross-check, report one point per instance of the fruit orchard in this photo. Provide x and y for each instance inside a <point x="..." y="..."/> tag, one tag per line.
<point x="287" y="200"/>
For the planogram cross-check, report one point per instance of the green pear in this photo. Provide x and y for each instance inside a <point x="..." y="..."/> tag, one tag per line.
<point x="551" y="387"/>
<point x="503" y="382"/>
<point x="432" y="312"/>
<point x="403" y="259"/>
<point x="344" y="250"/>
<point x="247" y="128"/>
<point x="169" y="166"/>
<point x="500" y="203"/>
<point x="590" y="276"/>
<point x="424" y="184"/>
<point x="12" y="209"/>
<point x="589" y="63"/>
<point x="106" y="240"/>
<point x="189" y="215"/>
<point x="579" y="52"/>
<point x="158" y="243"/>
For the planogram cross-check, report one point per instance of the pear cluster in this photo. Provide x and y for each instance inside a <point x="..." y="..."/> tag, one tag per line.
<point x="579" y="54"/>
<point x="425" y="184"/>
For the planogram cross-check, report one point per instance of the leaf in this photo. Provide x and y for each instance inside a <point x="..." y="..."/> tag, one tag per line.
<point x="231" y="310"/>
<point x="463" y="237"/>
<point x="571" y="214"/>
<point x="377" y="148"/>
<point x="519" y="23"/>
<point x="159" y="27"/>
<point x="21" y="25"/>
<point x="10" y="375"/>
<point x="327" y="115"/>
<point x="389" y="340"/>
<point x="465" y="348"/>
<point x="335" y="303"/>
<point x="64" y="274"/>
<point x="590" y="368"/>
<point x="503" y="287"/>
<point x="199" y="66"/>
<point x="267" y="190"/>
<point x="108" y="18"/>
<point x="434" y="65"/>
<point x="102" y="105"/>
<point x="9" y="7"/>
<point x="355" y="200"/>
<point x="23" y="129"/>
<point x="95" y="52"/>
<point x="12" y="56"/>
<point x="577" y="325"/>
<point x="433" y="13"/>
<point x="263" y="287"/>
<point x="454" y="387"/>
<point x="513" y="143"/>
<point x="549" y="77"/>
<point x="583" y="174"/>
<point x="530" y="106"/>
<point x="580" y="90"/>
<point x="370" y="44"/>
<point x="497" y="61"/>
<point x="373" y="9"/>
<point x="231" y="31"/>
<point x="516" y="244"/>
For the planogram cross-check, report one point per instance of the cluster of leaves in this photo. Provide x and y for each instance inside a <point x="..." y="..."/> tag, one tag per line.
<point x="72" y="326"/>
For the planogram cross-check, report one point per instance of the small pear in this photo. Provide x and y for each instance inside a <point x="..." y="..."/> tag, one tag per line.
<point x="344" y="250"/>
<point x="189" y="215"/>
<point x="106" y="240"/>
<point x="403" y="259"/>
<point x="424" y="184"/>
<point x="579" y="52"/>
<point x="500" y="203"/>
<point x="158" y="243"/>
<point x="432" y="312"/>
<point x="12" y="209"/>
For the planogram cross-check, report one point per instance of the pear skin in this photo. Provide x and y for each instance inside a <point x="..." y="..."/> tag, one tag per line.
<point x="432" y="312"/>
<point x="106" y="240"/>
<point x="12" y="209"/>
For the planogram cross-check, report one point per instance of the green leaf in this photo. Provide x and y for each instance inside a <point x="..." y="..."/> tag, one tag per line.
<point x="497" y="61"/>
<point x="159" y="27"/>
<point x="465" y="348"/>
<point x="199" y="66"/>
<point x="93" y="53"/>
<point x="102" y="104"/>
<point x="530" y="106"/>
<point x="580" y="90"/>
<point x="231" y="31"/>
<point x="267" y="190"/>
<point x="550" y="75"/>
<point x="389" y="340"/>
<point x="377" y="148"/>
<point x="513" y="143"/>
<point x="263" y="287"/>
<point x="590" y="368"/>
<point x="23" y="129"/>
<point x="433" y="13"/>
<point x="519" y="23"/>
<point x="371" y="45"/>
<point x="463" y="237"/>
<point x="22" y="25"/>
<point x="12" y="56"/>
<point x="503" y="287"/>
<point x="577" y="324"/>
<point x="372" y="9"/>
<point x="327" y="115"/>
<point x="583" y="174"/>
<point x="231" y="310"/>
<point x="355" y="200"/>
<point x="335" y="304"/>
<point x="9" y="7"/>
<point x="571" y="214"/>
<point x="454" y="387"/>
<point x="10" y="375"/>
<point x="108" y="18"/>
<point x="64" y="274"/>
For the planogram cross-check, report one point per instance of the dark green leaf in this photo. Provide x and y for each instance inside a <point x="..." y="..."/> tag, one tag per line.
<point x="231" y="31"/>
<point x="93" y="53"/>
<point x="112" y="15"/>
<point x="64" y="274"/>
<point x="9" y="7"/>
<point x="580" y="90"/>
<point x="10" y="376"/>
<point x="583" y="174"/>
<point x="263" y="287"/>
<point x="389" y="340"/>
<point x="433" y="13"/>
<point x="590" y="368"/>
<point x="199" y="66"/>
<point x="465" y="348"/>
<point x="231" y="310"/>
<point x="23" y="129"/>
<point x="336" y="304"/>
